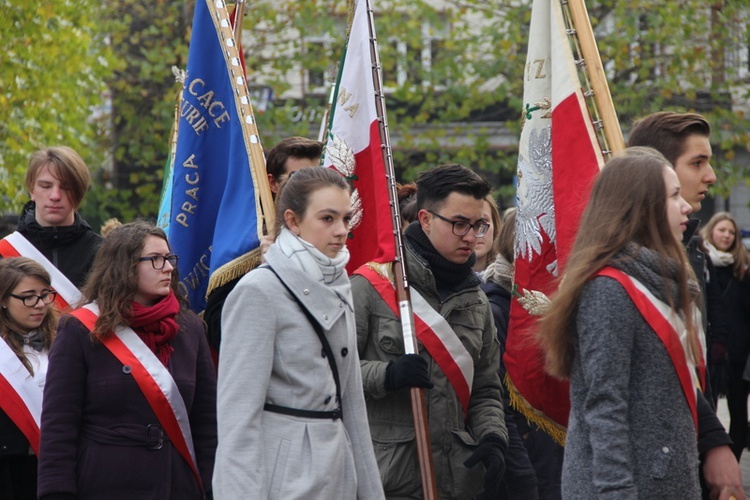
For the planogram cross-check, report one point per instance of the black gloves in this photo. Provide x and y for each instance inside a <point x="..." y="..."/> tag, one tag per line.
<point x="410" y="370"/>
<point x="491" y="452"/>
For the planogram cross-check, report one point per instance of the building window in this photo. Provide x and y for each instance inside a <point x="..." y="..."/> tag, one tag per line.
<point x="417" y="62"/>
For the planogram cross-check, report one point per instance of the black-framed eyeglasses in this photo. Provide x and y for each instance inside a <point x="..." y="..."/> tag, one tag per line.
<point x="158" y="261"/>
<point x="461" y="228"/>
<point x="32" y="300"/>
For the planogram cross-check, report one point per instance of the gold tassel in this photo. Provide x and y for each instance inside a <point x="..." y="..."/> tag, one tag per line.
<point x="555" y="430"/>
<point x="234" y="269"/>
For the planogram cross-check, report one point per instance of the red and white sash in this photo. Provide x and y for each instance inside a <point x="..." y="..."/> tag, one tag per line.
<point x="153" y="379"/>
<point x="20" y="396"/>
<point x="670" y="329"/>
<point x="15" y="245"/>
<point x="434" y="332"/>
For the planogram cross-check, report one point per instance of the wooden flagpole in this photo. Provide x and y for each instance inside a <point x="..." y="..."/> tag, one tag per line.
<point x="239" y="15"/>
<point x="418" y="404"/>
<point x="597" y="76"/>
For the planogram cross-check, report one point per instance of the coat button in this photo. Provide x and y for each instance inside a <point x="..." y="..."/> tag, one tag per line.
<point x="328" y="400"/>
<point x="341" y="305"/>
<point x="306" y="291"/>
<point x="126" y="369"/>
<point x="665" y="449"/>
<point x="344" y="351"/>
<point x="325" y="316"/>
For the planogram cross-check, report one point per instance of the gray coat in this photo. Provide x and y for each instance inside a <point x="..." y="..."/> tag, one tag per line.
<point x="271" y="354"/>
<point x="631" y="433"/>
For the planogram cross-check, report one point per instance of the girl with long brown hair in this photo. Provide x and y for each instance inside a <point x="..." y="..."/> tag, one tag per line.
<point x="130" y="401"/>
<point x="27" y="327"/>
<point x="624" y="328"/>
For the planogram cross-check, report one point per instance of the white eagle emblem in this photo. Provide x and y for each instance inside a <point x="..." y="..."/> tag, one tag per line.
<point x="341" y="157"/>
<point x="536" y="208"/>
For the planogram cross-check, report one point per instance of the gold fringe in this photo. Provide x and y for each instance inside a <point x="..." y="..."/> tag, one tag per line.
<point x="383" y="269"/>
<point x="519" y="403"/>
<point x="234" y="269"/>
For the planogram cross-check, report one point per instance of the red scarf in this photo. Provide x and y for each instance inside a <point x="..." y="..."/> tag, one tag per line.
<point x="156" y="325"/>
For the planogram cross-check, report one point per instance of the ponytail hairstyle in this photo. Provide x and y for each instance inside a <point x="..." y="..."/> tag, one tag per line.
<point x="296" y="191"/>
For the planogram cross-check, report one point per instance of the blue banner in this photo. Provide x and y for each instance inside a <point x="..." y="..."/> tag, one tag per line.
<point x="214" y="207"/>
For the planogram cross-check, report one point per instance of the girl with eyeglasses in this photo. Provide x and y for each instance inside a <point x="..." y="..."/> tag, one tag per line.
<point x="131" y="393"/>
<point x="27" y="327"/>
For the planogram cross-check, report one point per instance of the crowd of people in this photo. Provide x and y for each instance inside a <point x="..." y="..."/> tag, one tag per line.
<point x="108" y="387"/>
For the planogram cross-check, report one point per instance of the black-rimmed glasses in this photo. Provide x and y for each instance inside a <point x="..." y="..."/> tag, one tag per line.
<point x="158" y="261"/>
<point x="32" y="300"/>
<point x="461" y="228"/>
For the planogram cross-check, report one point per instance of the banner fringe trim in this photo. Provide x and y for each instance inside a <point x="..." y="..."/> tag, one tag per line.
<point x="549" y="426"/>
<point x="235" y="268"/>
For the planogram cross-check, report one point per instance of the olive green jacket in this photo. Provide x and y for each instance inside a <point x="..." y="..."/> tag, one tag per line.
<point x="453" y="439"/>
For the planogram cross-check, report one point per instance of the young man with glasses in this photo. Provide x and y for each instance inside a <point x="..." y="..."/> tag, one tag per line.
<point x="458" y="356"/>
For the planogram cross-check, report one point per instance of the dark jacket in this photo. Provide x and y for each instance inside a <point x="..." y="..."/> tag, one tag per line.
<point x="95" y="420"/>
<point x="71" y="249"/>
<point x="711" y="432"/>
<point x="735" y="298"/>
<point x="519" y="481"/>
<point x="12" y="440"/>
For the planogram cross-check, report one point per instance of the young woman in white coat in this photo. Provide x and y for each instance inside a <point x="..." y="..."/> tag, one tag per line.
<point x="291" y="411"/>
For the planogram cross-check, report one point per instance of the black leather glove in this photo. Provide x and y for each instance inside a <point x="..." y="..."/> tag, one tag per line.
<point x="410" y="370"/>
<point x="491" y="452"/>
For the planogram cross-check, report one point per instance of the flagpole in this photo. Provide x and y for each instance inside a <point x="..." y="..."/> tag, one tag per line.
<point x="324" y="125"/>
<point x="597" y="76"/>
<point x="418" y="404"/>
<point x="239" y="15"/>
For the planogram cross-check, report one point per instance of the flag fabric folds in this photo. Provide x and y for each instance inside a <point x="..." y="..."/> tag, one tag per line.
<point x="354" y="148"/>
<point x="213" y="222"/>
<point x="559" y="157"/>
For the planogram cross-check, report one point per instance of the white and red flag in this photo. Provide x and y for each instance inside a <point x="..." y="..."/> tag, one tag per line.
<point x="354" y="148"/>
<point x="559" y="157"/>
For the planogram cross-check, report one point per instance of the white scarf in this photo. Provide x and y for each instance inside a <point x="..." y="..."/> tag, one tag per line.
<point x="718" y="258"/>
<point x="331" y="271"/>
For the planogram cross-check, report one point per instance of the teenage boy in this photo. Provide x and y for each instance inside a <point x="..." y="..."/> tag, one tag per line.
<point x="459" y="372"/>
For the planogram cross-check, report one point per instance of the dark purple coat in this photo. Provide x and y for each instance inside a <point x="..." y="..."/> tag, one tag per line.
<point x="95" y="419"/>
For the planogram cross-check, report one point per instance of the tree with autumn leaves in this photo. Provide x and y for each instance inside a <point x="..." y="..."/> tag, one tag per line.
<point x="98" y="77"/>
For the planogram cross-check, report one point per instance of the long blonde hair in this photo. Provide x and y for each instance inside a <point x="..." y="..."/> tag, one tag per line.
<point x="627" y="204"/>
